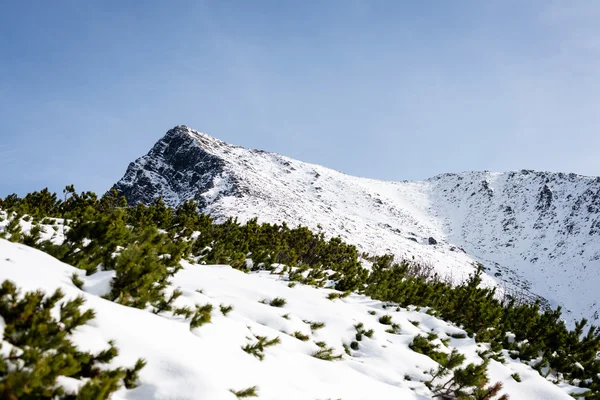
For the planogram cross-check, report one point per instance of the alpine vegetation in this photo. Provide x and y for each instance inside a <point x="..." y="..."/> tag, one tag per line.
<point x="113" y="276"/>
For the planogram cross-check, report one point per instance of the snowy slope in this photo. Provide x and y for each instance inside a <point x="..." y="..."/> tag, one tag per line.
<point x="208" y="361"/>
<point x="537" y="233"/>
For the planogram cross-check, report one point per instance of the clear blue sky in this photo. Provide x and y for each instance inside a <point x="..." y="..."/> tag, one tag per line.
<point x="384" y="89"/>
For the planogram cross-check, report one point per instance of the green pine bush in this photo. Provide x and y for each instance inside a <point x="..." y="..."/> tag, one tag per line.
<point x="145" y="243"/>
<point x="257" y="349"/>
<point x="42" y="350"/>
<point x="248" y="392"/>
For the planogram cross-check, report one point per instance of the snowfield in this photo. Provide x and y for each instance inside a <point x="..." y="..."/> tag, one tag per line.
<point x="537" y="233"/>
<point x="206" y="362"/>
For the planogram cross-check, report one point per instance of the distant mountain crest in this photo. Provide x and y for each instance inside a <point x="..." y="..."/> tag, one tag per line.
<point x="536" y="232"/>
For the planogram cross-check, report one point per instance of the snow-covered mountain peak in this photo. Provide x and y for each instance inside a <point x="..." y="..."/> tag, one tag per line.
<point x="200" y="138"/>
<point x="535" y="232"/>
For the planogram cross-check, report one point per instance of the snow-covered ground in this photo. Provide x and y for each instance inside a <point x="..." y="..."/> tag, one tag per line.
<point x="206" y="362"/>
<point x="537" y="233"/>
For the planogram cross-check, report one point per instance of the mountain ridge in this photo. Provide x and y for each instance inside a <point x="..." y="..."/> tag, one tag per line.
<point x="525" y="226"/>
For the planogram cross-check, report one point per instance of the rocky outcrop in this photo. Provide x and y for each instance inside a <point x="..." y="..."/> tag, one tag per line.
<point x="179" y="167"/>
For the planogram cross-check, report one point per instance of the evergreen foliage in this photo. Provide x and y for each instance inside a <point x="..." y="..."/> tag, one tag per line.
<point x="360" y="331"/>
<point x="424" y="345"/>
<point x="299" y="335"/>
<point x="326" y="353"/>
<point x="489" y="319"/>
<point x="258" y="349"/>
<point x="277" y="302"/>
<point x="225" y="309"/>
<point x="201" y="316"/>
<point x="248" y="392"/>
<point x="314" y="326"/>
<point x="145" y="243"/>
<point x="40" y="349"/>
<point x="467" y="383"/>
<point x="76" y="280"/>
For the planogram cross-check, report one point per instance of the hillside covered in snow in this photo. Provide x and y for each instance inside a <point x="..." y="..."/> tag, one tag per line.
<point x="166" y="303"/>
<point x="210" y="361"/>
<point x="536" y="233"/>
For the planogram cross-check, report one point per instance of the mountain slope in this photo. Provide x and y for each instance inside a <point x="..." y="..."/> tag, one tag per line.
<point x="537" y="233"/>
<point x="206" y="362"/>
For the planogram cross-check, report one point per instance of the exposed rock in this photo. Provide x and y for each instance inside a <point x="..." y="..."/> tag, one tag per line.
<point x="544" y="198"/>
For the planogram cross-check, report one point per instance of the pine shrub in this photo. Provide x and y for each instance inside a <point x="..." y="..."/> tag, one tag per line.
<point x="257" y="349"/>
<point x="42" y="350"/>
<point x="201" y="316"/>
<point x="278" y="302"/>
<point x="76" y="280"/>
<point x="299" y="335"/>
<point x="326" y="353"/>
<point x="244" y="393"/>
<point x="314" y="326"/>
<point x="225" y="309"/>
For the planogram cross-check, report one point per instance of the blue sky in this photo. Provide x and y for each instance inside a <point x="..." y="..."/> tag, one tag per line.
<point x="384" y="89"/>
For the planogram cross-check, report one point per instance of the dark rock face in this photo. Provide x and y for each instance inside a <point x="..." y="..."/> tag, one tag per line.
<point x="431" y="241"/>
<point x="544" y="198"/>
<point x="177" y="168"/>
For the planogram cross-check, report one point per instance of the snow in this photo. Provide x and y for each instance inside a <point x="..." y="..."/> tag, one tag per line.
<point x="502" y="220"/>
<point x="208" y="361"/>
